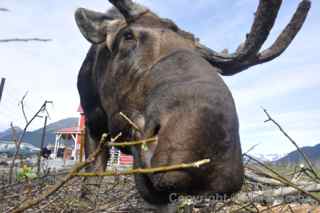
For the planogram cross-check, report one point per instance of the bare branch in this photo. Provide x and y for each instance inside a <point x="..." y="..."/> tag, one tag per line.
<point x="290" y="208"/>
<point x="24" y="40"/>
<point x="251" y="148"/>
<point x="48" y="114"/>
<point x="14" y="134"/>
<point x="44" y="129"/>
<point x="135" y="126"/>
<point x="196" y="164"/>
<point x="3" y="80"/>
<point x="92" y="158"/>
<point x="4" y="9"/>
<point x="133" y="143"/>
<point x="259" y="179"/>
<point x="305" y="157"/>
<point x="241" y="208"/>
<point x="284" y="180"/>
<point x="21" y="103"/>
<point x="32" y="202"/>
<point x="19" y="141"/>
<point x="273" y="193"/>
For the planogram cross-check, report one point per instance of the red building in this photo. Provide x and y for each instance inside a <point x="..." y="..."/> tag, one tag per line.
<point x="77" y="137"/>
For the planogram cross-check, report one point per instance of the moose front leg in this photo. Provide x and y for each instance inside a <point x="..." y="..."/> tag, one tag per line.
<point x="101" y="162"/>
<point x="91" y="185"/>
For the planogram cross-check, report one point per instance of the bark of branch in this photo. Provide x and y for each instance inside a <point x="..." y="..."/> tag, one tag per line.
<point x="133" y="143"/>
<point x="43" y="136"/>
<point x="258" y="179"/>
<point x="196" y="164"/>
<point x="22" y="107"/>
<point x="3" y="80"/>
<point x="284" y="180"/>
<point x="24" y="40"/>
<point x="4" y="9"/>
<point x="14" y="134"/>
<point x="19" y="141"/>
<point x="135" y="126"/>
<point x="273" y="193"/>
<point x="305" y="157"/>
<point x="79" y="166"/>
<point x="259" y="176"/>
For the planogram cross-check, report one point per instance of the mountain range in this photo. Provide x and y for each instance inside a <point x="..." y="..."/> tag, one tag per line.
<point x="312" y="152"/>
<point x="34" y="137"/>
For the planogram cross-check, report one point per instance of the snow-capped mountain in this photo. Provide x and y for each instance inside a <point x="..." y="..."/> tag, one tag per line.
<point x="268" y="157"/>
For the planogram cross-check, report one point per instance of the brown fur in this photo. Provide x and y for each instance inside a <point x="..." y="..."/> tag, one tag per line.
<point x="152" y="73"/>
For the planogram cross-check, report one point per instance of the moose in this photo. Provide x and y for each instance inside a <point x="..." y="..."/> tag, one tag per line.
<point x="171" y="87"/>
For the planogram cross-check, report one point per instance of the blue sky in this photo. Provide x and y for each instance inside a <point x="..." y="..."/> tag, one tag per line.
<point x="288" y="86"/>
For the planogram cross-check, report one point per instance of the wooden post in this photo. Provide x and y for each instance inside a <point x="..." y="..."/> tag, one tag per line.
<point x="82" y="142"/>
<point x="41" y="145"/>
<point x="3" y="80"/>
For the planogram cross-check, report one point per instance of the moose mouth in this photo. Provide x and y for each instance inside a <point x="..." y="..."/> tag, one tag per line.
<point x="164" y="149"/>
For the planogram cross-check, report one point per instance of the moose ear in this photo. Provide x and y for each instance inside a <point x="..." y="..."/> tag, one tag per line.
<point x="92" y="25"/>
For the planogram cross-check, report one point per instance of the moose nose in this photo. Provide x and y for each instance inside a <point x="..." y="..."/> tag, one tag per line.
<point x="174" y="180"/>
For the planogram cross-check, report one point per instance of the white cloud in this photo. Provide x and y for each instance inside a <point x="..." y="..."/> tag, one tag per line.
<point x="278" y="83"/>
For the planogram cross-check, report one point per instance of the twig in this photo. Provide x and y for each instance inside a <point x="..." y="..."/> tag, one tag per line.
<point x="241" y="207"/>
<point x="290" y="208"/>
<point x="285" y="180"/>
<point x="130" y="121"/>
<point x="19" y="141"/>
<point x="246" y="207"/>
<point x="269" y="208"/>
<point x="306" y="172"/>
<point x="273" y="193"/>
<point x="251" y="148"/>
<point x="4" y="9"/>
<point x="14" y="134"/>
<point x="113" y="140"/>
<point x="22" y="107"/>
<point x="307" y="160"/>
<point x="267" y="181"/>
<point x="25" y="40"/>
<point x="29" y="203"/>
<point x="41" y="209"/>
<point x="132" y="143"/>
<point x="196" y="164"/>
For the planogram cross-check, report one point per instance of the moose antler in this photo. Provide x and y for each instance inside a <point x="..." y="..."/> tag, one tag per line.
<point x="247" y="54"/>
<point x="129" y="9"/>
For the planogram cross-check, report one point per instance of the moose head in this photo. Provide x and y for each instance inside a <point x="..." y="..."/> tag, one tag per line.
<point x="170" y="86"/>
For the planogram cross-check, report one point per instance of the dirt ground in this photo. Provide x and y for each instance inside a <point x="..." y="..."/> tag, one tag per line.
<point x="115" y="195"/>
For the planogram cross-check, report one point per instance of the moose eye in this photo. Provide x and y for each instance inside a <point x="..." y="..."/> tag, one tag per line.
<point x="128" y="36"/>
